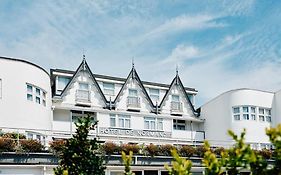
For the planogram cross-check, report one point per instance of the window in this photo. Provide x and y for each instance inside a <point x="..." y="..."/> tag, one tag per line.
<point x="236" y="112"/>
<point x="179" y="124"/>
<point x="245" y="110"/>
<point x="84" y="86"/>
<point x="264" y="115"/>
<point x="124" y="121"/>
<point x="62" y="82"/>
<point x="154" y="94"/>
<point x="150" y="123"/>
<point x="268" y="115"/>
<point x="38" y="93"/>
<point x="253" y="113"/>
<point x="133" y="93"/>
<point x="112" y="120"/>
<point x="108" y="88"/>
<point x="175" y="98"/>
<point x="191" y="97"/>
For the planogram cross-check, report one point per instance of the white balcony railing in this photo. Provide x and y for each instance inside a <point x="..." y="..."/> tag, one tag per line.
<point x="133" y="102"/>
<point x="83" y="96"/>
<point x="176" y="106"/>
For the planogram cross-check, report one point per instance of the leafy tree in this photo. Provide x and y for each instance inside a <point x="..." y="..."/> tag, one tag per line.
<point x="81" y="156"/>
<point x="275" y="138"/>
<point x="127" y="160"/>
<point x="180" y="166"/>
<point x="213" y="165"/>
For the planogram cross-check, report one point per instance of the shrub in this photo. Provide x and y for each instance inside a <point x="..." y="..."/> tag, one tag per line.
<point x="13" y="135"/>
<point x="110" y="148"/>
<point x="166" y="149"/>
<point x="57" y="146"/>
<point x="265" y="153"/>
<point x="31" y="145"/>
<point x="130" y="147"/>
<point x="152" y="149"/>
<point x="187" y="151"/>
<point x="200" y="150"/>
<point x="7" y="144"/>
<point x="219" y="150"/>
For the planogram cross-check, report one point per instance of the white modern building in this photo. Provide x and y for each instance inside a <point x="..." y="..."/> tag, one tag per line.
<point x="45" y="106"/>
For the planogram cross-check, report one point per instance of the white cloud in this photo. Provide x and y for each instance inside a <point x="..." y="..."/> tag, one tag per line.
<point x="184" y="23"/>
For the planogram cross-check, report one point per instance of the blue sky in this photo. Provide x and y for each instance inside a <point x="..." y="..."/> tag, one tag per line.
<point x="218" y="45"/>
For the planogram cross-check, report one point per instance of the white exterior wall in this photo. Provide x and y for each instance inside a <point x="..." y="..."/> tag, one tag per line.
<point x="218" y="116"/>
<point x="277" y="108"/>
<point x="15" y="110"/>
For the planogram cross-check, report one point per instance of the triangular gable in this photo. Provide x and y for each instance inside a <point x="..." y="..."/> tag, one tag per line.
<point x="134" y="75"/>
<point x="84" y="66"/>
<point x="177" y="81"/>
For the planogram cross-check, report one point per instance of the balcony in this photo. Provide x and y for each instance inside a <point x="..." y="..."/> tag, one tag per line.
<point x="83" y="97"/>
<point x="133" y="102"/>
<point x="176" y="108"/>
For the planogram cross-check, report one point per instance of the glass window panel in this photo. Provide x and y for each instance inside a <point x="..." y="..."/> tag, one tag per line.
<point x="253" y="109"/>
<point x="62" y="82"/>
<point x="236" y="110"/>
<point x="175" y="98"/>
<point x="112" y="121"/>
<point x="83" y="86"/>
<point x="29" y="97"/>
<point x="261" y="110"/>
<point x="38" y="91"/>
<point x="237" y="117"/>
<point x="146" y="124"/>
<point x="133" y="92"/>
<point x="153" y="125"/>
<point x="245" y="109"/>
<point x="261" y="118"/>
<point x="267" y="112"/>
<point x="246" y="116"/>
<point x="253" y="117"/>
<point x="29" y="88"/>
<point x="38" y="100"/>
<point x="160" y="123"/>
<point x="44" y="102"/>
<point x="121" y="122"/>
<point x="268" y="118"/>
<point x="127" y="123"/>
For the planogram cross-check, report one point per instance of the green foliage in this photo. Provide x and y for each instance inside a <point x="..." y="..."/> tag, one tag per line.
<point x="239" y="155"/>
<point x="180" y="166"/>
<point x="110" y="148"/>
<point x="81" y="156"/>
<point x="130" y="147"/>
<point x="165" y="150"/>
<point x="127" y="160"/>
<point x="200" y="150"/>
<point x="211" y="162"/>
<point x="274" y="135"/>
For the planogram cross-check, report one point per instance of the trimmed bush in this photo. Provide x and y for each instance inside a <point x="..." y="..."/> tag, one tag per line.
<point x="165" y="150"/>
<point x="31" y="145"/>
<point x="152" y="149"/>
<point x="56" y="146"/>
<point x="130" y="147"/>
<point x="7" y="144"/>
<point x="187" y="151"/>
<point x="110" y="148"/>
<point x="13" y="135"/>
<point x="200" y="150"/>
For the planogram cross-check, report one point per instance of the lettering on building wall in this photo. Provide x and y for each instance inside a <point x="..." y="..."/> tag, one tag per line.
<point x="133" y="132"/>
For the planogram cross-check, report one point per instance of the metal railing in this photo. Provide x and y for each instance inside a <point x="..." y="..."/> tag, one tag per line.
<point x="83" y="96"/>
<point x="133" y="102"/>
<point x="176" y="106"/>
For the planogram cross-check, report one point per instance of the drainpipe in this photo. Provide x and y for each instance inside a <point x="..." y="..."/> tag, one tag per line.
<point x="191" y="128"/>
<point x="70" y="123"/>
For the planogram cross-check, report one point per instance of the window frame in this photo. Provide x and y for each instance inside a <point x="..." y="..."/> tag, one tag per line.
<point x="177" y="125"/>
<point x="154" y="96"/>
<point x="108" y="90"/>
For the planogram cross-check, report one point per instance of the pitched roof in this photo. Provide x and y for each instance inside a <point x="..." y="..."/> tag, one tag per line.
<point x="177" y="81"/>
<point x="135" y="76"/>
<point x="84" y="66"/>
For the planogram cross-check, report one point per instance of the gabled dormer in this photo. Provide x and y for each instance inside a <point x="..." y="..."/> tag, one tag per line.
<point x="176" y="100"/>
<point x="133" y="96"/>
<point x="83" y="89"/>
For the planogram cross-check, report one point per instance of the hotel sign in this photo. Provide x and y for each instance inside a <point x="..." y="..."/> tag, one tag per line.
<point x="133" y="132"/>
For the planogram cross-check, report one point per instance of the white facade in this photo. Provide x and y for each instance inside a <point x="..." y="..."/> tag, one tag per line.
<point x="128" y="110"/>
<point x="251" y="109"/>
<point x="25" y="96"/>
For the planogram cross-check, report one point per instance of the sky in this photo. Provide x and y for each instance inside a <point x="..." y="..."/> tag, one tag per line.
<point x="216" y="45"/>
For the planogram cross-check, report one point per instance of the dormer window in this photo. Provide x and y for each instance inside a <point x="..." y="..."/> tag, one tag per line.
<point x="176" y="105"/>
<point x="108" y="88"/>
<point x="133" y="100"/>
<point x="62" y="82"/>
<point x="83" y="93"/>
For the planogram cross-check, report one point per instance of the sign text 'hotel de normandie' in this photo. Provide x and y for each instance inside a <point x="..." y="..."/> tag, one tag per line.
<point x="133" y="132"/>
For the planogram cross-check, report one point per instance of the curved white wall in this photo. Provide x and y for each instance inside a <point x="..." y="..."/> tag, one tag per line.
<point x="15" y="110"/>
<point x="218" y="115"/>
